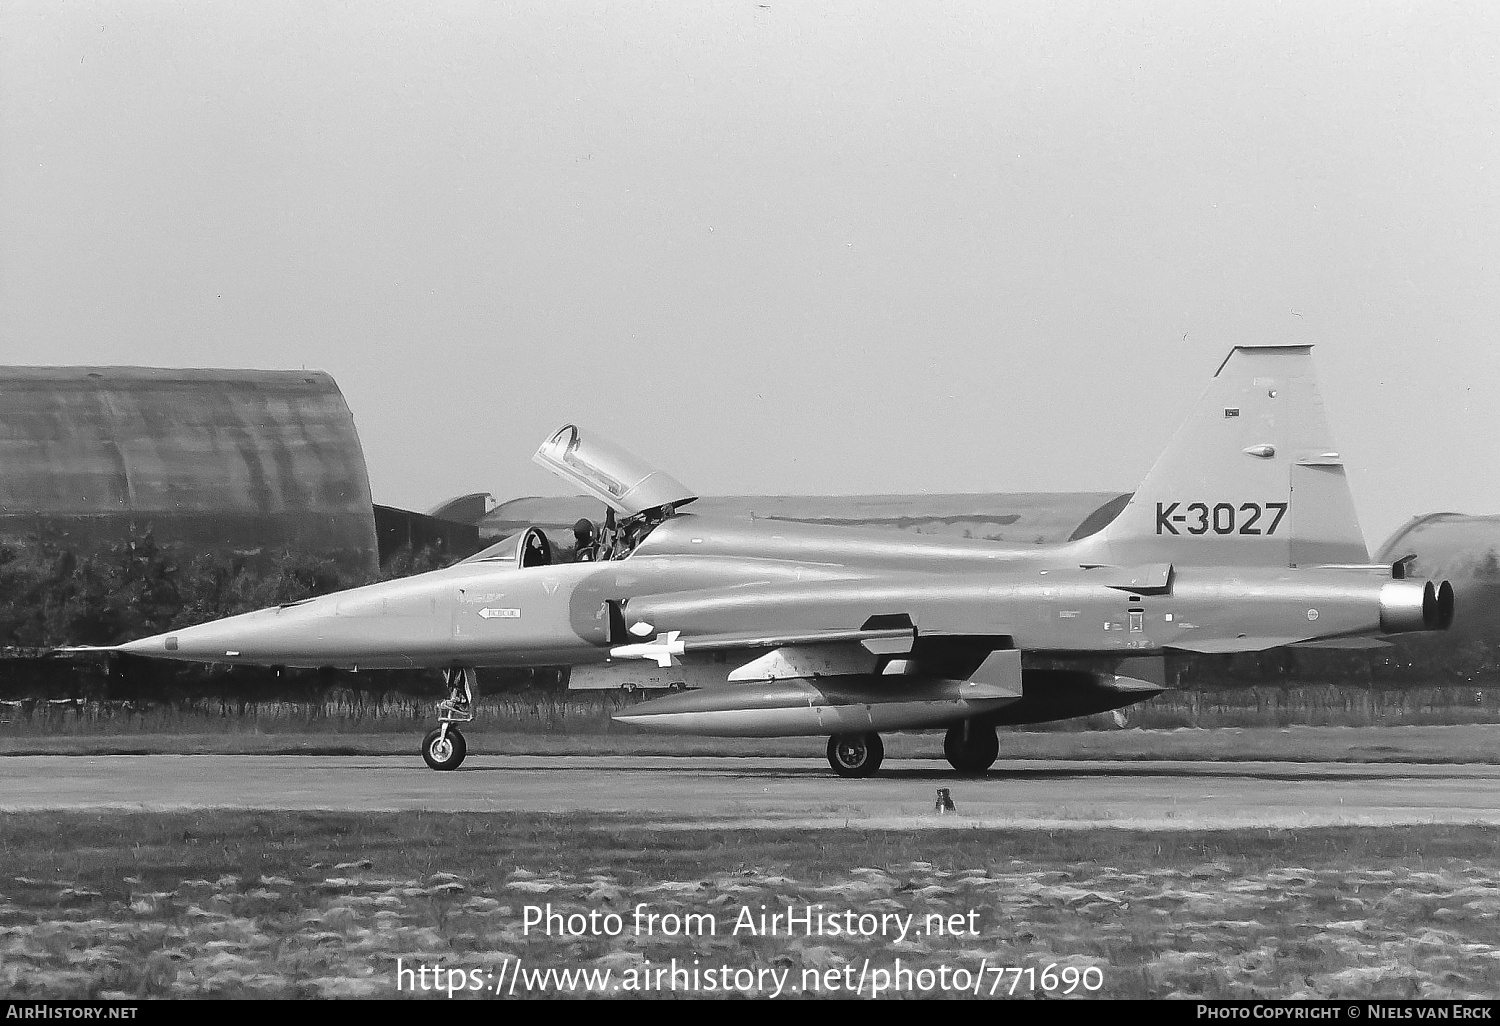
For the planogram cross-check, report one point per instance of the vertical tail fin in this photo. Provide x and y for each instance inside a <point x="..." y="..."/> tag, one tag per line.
<point x="1251" y="479"/>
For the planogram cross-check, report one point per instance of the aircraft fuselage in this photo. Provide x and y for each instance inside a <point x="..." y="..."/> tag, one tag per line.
<point x="475" y="614"/>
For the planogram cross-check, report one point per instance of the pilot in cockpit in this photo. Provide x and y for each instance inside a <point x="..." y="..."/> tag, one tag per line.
<point x="609" y="539"/>
<point x="585" y="548"/>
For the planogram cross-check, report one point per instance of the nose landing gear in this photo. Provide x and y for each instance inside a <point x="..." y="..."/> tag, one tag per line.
<point x="445" y="748"/>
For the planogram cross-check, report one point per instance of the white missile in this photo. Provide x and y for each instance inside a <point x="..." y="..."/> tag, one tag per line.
<point x="664" y="649"/>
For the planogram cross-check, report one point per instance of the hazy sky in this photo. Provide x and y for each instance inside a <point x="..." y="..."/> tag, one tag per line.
<point x="820" y="247"/>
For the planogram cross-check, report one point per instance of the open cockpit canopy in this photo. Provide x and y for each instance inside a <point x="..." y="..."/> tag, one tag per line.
<point x="623" y="480"/>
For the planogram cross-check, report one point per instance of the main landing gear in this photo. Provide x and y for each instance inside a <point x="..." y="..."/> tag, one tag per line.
<point x="855" y="755"/>
<point x="971" y="747"/>
<point x="444" y="748"/>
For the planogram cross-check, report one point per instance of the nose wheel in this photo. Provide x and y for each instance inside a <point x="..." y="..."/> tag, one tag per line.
<point x="855" y="755"/>
<point x="444" y="748"/>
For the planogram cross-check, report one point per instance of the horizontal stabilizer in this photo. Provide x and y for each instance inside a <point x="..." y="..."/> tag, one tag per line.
<point x="1213" y="646"/>
<point x="1130" y="685"/>
<point x="1344" y="643"/>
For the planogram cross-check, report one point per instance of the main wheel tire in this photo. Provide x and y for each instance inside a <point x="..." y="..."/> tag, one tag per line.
<point x="855" y="755"/>
<point x="444" y="753"/>
<point x="975" y="753"/>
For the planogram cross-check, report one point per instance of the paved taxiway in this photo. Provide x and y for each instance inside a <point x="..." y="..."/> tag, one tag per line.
<point x="739" y="792"/>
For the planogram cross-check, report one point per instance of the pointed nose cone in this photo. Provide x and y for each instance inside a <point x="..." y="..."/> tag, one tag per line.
<point x="205" y="642"/>
<point x="267" y="636"/>
<point x="158" y="645"/>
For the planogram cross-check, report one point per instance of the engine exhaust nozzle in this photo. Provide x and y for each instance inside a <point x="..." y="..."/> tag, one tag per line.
<point x="1440" y="614"/>
<point x="1408" y="606"/>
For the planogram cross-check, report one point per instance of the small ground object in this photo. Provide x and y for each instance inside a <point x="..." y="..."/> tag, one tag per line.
<point x="944" y="802"/>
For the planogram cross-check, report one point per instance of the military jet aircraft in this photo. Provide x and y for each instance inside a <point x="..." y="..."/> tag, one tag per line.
<point x="1242" y="538"/>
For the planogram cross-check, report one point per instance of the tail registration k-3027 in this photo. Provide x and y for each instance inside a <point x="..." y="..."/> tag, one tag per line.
<point x="1219" y="518"/>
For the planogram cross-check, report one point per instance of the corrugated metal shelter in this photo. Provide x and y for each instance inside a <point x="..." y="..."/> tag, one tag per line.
<point x="1446" y="544"/>
<point x="401" y="530"/>
<point x="464" y="509"/>
<point x="219" y="460"/>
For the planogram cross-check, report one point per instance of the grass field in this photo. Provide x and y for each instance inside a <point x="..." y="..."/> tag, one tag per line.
<point x="248" y="904"/>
